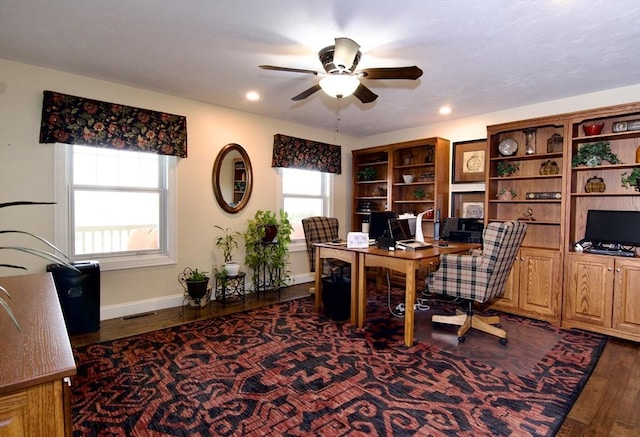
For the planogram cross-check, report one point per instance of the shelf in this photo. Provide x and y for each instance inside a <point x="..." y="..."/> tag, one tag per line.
<point x="413" y="201"/>
<point x="529" y="222"/>
<point x="374" y="181"/>
<point x="404" y="184"/>
<point x="411" y="166"/>
<point x="371" y="197"/>
<point x="521" y="178"/>
<point x="631" y="193"/>
<point x="609" y="136"/>
<point x="369" y="164"/>
<point x="527" y="157"/>
<point x="606" y="167"/>
<point x="527" y="201"/>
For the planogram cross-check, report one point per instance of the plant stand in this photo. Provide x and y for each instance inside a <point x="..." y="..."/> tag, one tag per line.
<point x="198" y="302"/>
<point x="231" y="290"/>
<point x="268" y="277"/>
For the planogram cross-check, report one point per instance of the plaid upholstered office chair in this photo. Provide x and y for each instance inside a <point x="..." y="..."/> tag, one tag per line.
<point x="319" y="230"/>
<point x="480" y="277"/>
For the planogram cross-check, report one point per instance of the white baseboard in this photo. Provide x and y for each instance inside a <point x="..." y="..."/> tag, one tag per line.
<point x="161" y="303"/>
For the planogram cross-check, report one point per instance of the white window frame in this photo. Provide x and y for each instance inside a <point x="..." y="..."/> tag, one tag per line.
<point x="62" y="217"/>
<point x="300" y="245"/>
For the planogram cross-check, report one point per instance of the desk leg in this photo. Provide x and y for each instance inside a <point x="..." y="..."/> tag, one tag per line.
<point x="410" y="298"/>
<point x="318" y="283"/>
<point x="362" y="291"/>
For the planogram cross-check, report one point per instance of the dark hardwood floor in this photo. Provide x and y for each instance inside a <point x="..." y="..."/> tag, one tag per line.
<point x="609" y="405"/>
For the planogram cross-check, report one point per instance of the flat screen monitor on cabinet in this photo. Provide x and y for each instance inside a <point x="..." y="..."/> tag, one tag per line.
<point x="617" y="228"/>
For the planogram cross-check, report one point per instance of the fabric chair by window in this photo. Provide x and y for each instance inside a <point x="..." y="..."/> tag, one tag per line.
<point x="320" y="230"/>
<point x="479" y="277"/>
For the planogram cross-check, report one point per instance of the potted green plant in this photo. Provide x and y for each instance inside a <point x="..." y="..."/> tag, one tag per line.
<point x="506" y="194"/>
<point x="52" y="254"/>
<point x="366" y="174"/>
<point x="631" y="179"/>
<point x="197" y="283"/>
<point x="592" y="154"/>
<point x="268" y="260"/>
<point x="505" y="168"/>
<point x="419" y="193"/>
<point x="227" y="242"/>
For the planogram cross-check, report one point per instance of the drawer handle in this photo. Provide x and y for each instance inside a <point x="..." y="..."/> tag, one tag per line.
<point x="5" y="423"/>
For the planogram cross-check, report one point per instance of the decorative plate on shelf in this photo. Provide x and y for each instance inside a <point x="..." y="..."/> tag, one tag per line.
<point x="508" y="147"/>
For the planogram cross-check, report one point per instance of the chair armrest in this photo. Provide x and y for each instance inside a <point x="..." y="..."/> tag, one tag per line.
<point x="457" y="261"/>
<point x="476" y="252"/>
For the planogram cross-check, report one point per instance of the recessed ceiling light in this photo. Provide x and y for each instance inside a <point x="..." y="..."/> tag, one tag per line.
<point x="253" y="96"/>
<point x="445" y="110"/>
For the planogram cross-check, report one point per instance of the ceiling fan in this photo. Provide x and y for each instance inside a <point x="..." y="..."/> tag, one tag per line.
<point x="341" y="78"/>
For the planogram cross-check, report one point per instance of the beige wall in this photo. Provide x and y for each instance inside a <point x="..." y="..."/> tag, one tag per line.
<point x="26" y="173"/>
<point x="26" y="169"/>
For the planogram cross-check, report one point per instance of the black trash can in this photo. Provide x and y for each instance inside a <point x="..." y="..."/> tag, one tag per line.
<point x="79" y="295"/>
<point x="336" y="297"/>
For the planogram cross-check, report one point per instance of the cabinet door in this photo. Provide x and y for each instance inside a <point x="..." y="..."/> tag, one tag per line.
<point x="589" y="296"/>
<point x="539" y="281"/>
<point x="626" y="308"/>
<point x="510" y="297"/>
<point x="13" y="414"/>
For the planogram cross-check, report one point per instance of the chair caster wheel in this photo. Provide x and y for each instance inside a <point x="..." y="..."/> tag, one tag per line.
<point x="504" y="341"/>
<point x="498" y="325"/>
<point x="461" y="339"/>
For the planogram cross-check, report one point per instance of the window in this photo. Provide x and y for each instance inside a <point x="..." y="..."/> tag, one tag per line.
<point x="116" y="206"/>
<point x="305" y="193"/>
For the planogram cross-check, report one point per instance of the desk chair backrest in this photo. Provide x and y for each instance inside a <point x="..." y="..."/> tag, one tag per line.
<point x="318" y="230"/>
<point x="481" y="277"/>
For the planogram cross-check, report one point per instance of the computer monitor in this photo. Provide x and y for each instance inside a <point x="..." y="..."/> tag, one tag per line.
<point x="379" y="223"/>
<point x="399" y="229"/>
<point x="613" y="227"/>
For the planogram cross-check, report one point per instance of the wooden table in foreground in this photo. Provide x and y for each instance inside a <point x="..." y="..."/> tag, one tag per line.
<point x="34" y="363"/>
<point x="407" y="262"/>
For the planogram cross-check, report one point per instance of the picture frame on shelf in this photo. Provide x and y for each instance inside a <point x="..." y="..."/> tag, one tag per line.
<point x="467" y="204"/>
<point x="469" y="161"/>
<point x="472" y="210"/>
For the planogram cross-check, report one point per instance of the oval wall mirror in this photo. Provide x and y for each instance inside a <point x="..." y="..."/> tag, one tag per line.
<point x="232" y="178"/>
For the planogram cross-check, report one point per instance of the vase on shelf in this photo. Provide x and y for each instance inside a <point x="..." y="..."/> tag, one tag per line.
<point x="530" y="141"/>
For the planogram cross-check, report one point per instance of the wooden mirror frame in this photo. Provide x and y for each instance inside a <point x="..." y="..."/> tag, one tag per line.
<point x="215" y="178"/>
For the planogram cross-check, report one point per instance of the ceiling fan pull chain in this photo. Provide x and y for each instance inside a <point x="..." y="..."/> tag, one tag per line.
<point x="338" y="115"/>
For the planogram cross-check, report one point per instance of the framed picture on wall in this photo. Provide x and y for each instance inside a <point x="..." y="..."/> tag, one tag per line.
<point x="469" y="161"/>
<point x="468" y="204"/>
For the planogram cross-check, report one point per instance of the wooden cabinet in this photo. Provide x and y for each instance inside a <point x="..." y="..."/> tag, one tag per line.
<point x="526" y="161"/>
<point x="601" y="294"/>
<point x="379" y="181"/>
<point x="36" y="363"/>
<point x="532" y="289"/>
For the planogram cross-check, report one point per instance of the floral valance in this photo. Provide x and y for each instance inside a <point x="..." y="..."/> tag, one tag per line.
<point x="77" y="120"/>
<point x="306" y="154"/>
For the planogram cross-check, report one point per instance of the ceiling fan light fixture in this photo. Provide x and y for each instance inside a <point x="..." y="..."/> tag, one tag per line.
<point x="339" y="85"/>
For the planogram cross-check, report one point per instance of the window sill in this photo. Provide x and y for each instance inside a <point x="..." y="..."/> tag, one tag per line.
<point x="132" y="262"/>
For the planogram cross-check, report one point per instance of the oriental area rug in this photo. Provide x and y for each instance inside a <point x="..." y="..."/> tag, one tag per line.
<point x="287" y="370"/>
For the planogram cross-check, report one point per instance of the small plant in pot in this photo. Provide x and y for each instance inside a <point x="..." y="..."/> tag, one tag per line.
<point x="197" y="283"/>
<point x="419" y="193"/>
<point x="631" y="179"/>
<point x="227" y="242"/>
<point x="506" y="194"/>
<point x="367" y="174"/>
<point x="507" y="168"/>
<point x="592" y="154"/>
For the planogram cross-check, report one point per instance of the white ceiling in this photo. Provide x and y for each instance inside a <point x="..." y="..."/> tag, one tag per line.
<point x="478" y="56"/>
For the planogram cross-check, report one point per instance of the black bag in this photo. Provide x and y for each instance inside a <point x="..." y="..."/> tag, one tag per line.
<point x="336" y="297"/>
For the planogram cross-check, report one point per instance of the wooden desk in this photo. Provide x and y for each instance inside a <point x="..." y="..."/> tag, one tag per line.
<point x="407" y="262"/>
<point x="34" y="399"/>
<point x="340" y="252"/>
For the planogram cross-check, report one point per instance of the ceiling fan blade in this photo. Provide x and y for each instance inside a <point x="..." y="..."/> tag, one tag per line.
<point x="292" y="70"/>
<point x="411" y="73"/>
<point x="306" y="93"/>
<point x="345" y="52"/>
<point x="364" y="94"/>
